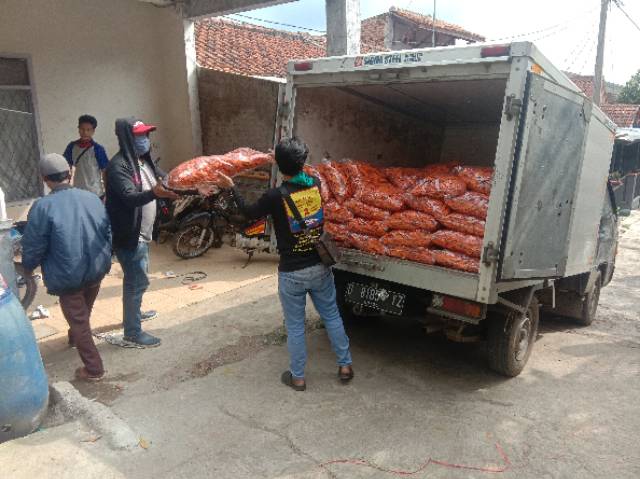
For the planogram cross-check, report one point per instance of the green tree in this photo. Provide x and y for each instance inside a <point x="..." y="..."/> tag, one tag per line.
<point x="631" y="91"/>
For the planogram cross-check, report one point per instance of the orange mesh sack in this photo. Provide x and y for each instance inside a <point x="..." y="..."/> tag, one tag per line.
<point x="368" y="244"/>
<point x="449" y="259"/>
<point x="412" y="220"/>
<point x="477" y="178"/>
<point x="358" y="208"/>
<point x="419" y="255"/>
<point x="337" y="213"/>
<point x="437" y="169"/>
<point x="404" y="178"/>
<point x="384" y="196"/>
<point x="335" y="180"/>
<point x="440" y="187"/>
<point x="205" y="170"/>
<point x="471" y="203"/>
<point x="338" y="232"/>
<point x="367" y="227"/>
<point x="464" y="224"/>
<point x="435" y="208"/>
<point x="417" y="238"/>
<point x="325" y="192"/>
<point x="458" y="242"/>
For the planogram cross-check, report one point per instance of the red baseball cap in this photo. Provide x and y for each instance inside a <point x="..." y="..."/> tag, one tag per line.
<point x="140" y="128"/>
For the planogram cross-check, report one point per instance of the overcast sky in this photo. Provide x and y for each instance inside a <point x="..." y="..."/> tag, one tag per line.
<point x="569" y="27"/>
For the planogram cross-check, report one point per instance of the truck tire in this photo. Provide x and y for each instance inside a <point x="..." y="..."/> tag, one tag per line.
<point x="511" y="338"/>
<point x="590" y="303"/>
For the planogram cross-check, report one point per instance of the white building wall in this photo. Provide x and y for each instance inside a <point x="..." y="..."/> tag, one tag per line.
<point x="110" y="59"/>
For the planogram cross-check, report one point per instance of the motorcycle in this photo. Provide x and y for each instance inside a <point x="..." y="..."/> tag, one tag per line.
<point x="220" y="220"/>
<point x="27" y="284"/>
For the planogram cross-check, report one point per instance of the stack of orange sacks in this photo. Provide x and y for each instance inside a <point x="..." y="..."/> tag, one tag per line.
<point x="433" y="215"/>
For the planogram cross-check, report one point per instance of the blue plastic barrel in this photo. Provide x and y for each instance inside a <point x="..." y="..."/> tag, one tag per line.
<point x="24" y="388"/>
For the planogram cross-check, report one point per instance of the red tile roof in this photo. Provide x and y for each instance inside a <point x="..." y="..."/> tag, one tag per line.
<point x="623" y="115"/>
<point x="586" y="83"/>
<point x="426" y="21"/>
<point x="246" y="49"/>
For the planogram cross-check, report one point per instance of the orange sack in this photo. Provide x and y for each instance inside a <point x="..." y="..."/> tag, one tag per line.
<point x="367" y="227"/>
<point x="458" y="242"/>
<point x="419" y="255"/>
<point x="205" y="170"/>
<point x="404" y="178"/>
<point x="368" y="244"/>
<point x="336" y="181"/>
<point x="477" y="178"/>
<point x="337" y="213"/>
<point x="325" y="192"/>
<point x="440" y="187"/>
<point x="338" y="232"/>
<point x="471" y="203"/>
<point x="358" y="208"/>
<point x="435" y="208"/>
<point x="437" y="169"/>
<point x="384" y="196"/>
<point x="412" y="220"/>
<point x="415" y="238"/>
<point x="449" y="259"/>
<point x="464" y="224"/>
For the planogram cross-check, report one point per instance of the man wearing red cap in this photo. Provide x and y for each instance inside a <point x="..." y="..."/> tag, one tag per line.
<point x="133" y="185"/>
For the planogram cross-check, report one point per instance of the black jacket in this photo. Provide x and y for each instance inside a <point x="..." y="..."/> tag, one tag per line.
<point x="125" y="197"/>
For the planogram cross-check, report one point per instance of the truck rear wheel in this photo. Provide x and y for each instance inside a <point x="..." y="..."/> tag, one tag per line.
<point x="590" y="303"/>
<point x="511" y="338"/>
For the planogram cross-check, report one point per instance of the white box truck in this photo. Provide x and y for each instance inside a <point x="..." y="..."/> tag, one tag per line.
<point x="551" y="230"/>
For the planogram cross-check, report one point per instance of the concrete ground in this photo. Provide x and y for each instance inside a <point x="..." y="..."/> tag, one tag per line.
<point x="208" y="403"/>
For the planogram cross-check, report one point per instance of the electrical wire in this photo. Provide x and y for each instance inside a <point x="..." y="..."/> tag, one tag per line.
<point x="552" y="27"/>
<point x="618" y="4"/>
<point x="589" y="55"/>
<point x="273" y="22"/>
<point x="579" y="50"/>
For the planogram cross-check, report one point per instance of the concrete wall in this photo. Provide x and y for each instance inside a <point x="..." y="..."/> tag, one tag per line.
<point x="236" y="111"/>
<point x="108" y="58"/>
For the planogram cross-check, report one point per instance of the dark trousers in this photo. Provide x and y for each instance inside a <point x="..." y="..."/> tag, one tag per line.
<point x="76" y="308"/>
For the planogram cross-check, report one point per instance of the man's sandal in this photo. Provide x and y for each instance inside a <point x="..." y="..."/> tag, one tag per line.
<point x="287" y="380"/>
<point x="83" y="375"/>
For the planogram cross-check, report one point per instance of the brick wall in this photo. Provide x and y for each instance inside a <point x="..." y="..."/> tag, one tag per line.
<point x="236" y="111"/>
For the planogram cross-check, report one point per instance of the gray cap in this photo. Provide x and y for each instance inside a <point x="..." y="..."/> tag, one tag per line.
<point x="53" y="163"/>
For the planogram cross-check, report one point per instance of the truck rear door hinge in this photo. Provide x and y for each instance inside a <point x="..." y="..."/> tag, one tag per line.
<point x="490" y="254"/>
<point x="512" y="107"/>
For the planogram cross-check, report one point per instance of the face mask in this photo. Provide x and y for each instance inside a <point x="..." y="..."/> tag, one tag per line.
<point x="142" y="144"/>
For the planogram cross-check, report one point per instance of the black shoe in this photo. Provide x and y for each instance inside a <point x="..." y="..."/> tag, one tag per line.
<point x="148" y="315"/>
<point x="287" y="379"/>
<point x="144" y="339"/>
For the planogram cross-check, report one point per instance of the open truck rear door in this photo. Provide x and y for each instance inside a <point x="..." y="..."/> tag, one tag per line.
<point x="549" y="156"/>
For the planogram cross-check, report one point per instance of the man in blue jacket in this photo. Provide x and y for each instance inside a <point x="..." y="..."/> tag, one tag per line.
<point x="68" y="234"/>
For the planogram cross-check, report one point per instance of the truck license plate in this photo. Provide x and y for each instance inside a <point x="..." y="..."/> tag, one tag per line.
<point x="380" y="299"/>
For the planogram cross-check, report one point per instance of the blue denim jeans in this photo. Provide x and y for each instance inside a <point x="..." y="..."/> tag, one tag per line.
<point x="293" y="288"/>
<point x="135" y="266"/>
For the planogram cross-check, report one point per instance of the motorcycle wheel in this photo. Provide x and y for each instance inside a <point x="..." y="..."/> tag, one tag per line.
<point x="27" y="286"/>
<point x="193" y="240"/>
